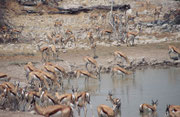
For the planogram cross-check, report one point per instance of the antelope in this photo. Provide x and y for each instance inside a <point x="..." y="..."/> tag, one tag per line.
<point x="53" y="110"/>
<point x="130" y="38"/>
<point x="58" y="68"/>
<point x="174" y="50"/>
<point x="66" y="98"/>
<point x="39" y="76"/>
<point x="147" y="107"/>
<point x="44" y="50"/>
<point x="4" y="77"/>
<point x="47" y="98"/>
<point x="90" y="60"/>
<point x="121" y="55"/>
<point x="109" y="32"/>
<point x="82" y="99"/>
<point x="29" y="67"/>
<point x="173" y="110"/>
<point x="120" y="70"/>
<point x="58" y="24"/>
<point x="114" y="101"/>
<point x="84" y="73"/>
<point x="106" y="111"/>
<point x="51" y="78"/>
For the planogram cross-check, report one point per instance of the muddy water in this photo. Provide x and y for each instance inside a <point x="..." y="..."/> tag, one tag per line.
<point x="145" y="85"/>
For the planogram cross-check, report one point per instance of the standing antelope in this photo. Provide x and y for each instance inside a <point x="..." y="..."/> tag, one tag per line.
<point x="38" y="76"/>
<point x="173" y="110"/>
<point x="82" y="99"/>
<point x="174" y="50"/>
<point x="92" y="43"/>
<point x="91" y="61"/>
<point x="120" y="70"/>
<point x="4" y="77"/>
<point x="130" y="38"/>
<point x="47" y="98"/>
<point x="114" y="101"/>
<point x="121" y="55"/>
<point x="29" y="67"/>
<point x="147" y="107"/>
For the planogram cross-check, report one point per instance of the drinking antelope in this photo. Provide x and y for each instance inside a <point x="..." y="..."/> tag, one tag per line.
<point x="4" y="77"/>
<point x="121" y="55"/>
<point x="174" y="50"/>
<point x="53" y="110"/>
<point x="66" y="98"/>
<point x="84" y="73"/>
<point x="106" y="111"/>
<point x="173" y="110"/>
<point x="147" y="107"/>
<point x="120" y="70"/>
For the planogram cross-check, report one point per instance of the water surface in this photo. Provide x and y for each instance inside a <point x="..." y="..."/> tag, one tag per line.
<point x="157" y="84"/>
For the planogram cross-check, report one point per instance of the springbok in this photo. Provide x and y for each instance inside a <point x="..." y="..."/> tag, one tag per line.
<point x="174" y="50"/>
<point x="58" y="68"/>
<point x="53" y="110"/>
<point x="66" y="98"/>
<point x="85" y="73"/>
<point x="37" y="76"/>
<point x="120" y="70"/>
<point x="4" y="77"/>
<point x="106" y="111"/>
<point x="147" y="107"/>
<point x="173" y="110"/>
<point x="82" y="99"/>
<point x="91" y="61"/>
<point x="130" y="37"/>
<point x="114" y="101"/>
<point x="121" y="55"/>
<point x="47" y="98"/>
<point x="29" y="67"/>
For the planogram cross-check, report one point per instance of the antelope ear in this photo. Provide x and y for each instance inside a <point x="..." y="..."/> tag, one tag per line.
<point x="156" y="101"/>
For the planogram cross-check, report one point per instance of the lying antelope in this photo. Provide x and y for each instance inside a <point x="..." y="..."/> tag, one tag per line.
<point x="121" y="55"/>
<point x="147" y="107"/>
<point x="82" y="99"/>
<point x="53" y="110"/>
<point x="173" y="110"/>
<point x="120" y="70"/>
<point x="106" y="111"/>
<point x="4" y="77"/>
<point x="174" y="50"/>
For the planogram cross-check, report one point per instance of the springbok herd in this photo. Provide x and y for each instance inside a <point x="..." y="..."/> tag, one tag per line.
<point x="41" y="93"/>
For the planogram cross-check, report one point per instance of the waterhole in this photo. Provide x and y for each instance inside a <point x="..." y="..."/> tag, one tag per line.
<point x="142" y="87"/>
